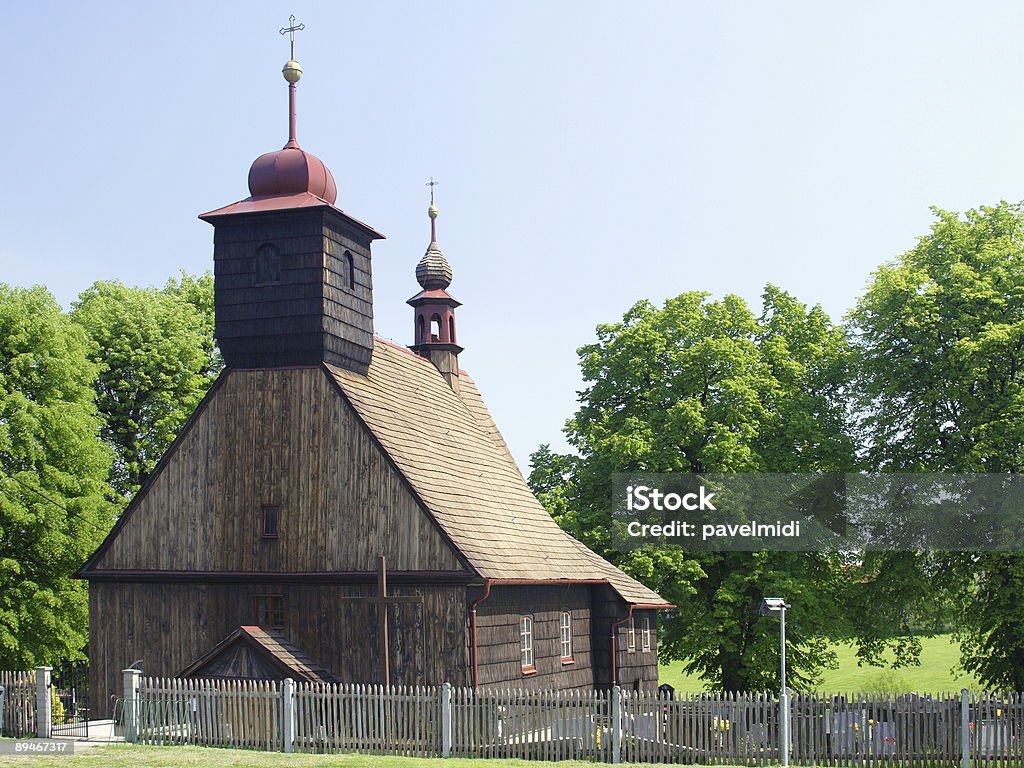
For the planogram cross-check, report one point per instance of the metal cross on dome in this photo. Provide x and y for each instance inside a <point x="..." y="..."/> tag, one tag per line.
<point x="432" y="184"/>
<point x="291" y="30"/>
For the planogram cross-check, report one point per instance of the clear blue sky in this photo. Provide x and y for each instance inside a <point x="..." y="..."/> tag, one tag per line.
<point x="590" y="154"/>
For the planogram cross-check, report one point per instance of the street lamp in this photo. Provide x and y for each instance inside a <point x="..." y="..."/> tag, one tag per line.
<point x="771" y="606"/>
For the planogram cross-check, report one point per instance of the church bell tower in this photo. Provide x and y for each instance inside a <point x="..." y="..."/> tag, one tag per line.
<point x="292" y="272"/>
<point x="434" y="308"/>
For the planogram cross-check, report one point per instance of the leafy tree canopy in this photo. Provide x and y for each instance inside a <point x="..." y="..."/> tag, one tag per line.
<point x="156" y="357"/>
<point x="939" y="336"/>
<point x="53" y="472"/>
<point x="708" y="386"/>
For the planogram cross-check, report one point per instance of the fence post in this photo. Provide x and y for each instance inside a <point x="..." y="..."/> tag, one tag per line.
<point x="132" y="704"/>
<point x="446" y="720"/>
<point x="288" y="714"/>
<point x="616" y="724"/>
<point x="44" y="704"/>
<point x="965" y="728"/>
<point x="2" y="692"/>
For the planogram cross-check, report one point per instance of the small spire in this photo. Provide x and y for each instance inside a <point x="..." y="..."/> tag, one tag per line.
<point x="432" y="210"/>
<point x="292" y="72"/>
<point x="433" y="271"/>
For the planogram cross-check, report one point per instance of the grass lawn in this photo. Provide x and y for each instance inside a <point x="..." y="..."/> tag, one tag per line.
<point x="130" y="756"/>
<point x="938" y="657"/>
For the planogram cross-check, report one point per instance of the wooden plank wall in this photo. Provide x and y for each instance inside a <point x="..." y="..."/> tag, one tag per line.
<point x="498" y="642"/>
<point x="283" y="438"/>
<point x="636" y="670"/>
<point x="170" y="625"/>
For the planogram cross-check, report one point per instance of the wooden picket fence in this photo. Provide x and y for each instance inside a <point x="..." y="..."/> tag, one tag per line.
<point x="402" y="720"/>
<point x="834" y="730"/>
<point x="243" y="714"/>
<point x="19" y="716"/>
<point x="537" y="725"/>
<point x="909" y="731"/>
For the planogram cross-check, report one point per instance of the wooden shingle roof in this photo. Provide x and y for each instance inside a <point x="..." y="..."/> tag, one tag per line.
<point x="450" y="450"/>
<point x="257" y="653"/>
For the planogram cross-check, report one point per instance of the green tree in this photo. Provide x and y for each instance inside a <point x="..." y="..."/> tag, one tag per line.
<point x="940" y="341"/>
<point x="156" y="358"/>
<point x="53" y="472"/>
<point x="708" y="386"/>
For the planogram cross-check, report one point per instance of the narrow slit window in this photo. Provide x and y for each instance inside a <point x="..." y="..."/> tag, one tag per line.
<point x="351" y="265"/>
<point x="270" y="611"/>
<point x="271" y="521"/>
<point x="645" y="633"/>
<point x="566" y="636"/>
<point x="526" y="644"/>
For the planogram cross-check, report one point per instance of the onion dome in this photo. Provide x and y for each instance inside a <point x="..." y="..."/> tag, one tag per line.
<point x="289" y="171"/>
<point x="433" y="271"/>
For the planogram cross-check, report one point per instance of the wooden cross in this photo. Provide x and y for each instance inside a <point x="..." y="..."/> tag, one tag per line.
<point x="291" y="30"/>
<point x="382" y="600"/>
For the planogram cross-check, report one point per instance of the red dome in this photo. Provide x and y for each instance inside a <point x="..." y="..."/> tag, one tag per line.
<point x="289" y="171"/>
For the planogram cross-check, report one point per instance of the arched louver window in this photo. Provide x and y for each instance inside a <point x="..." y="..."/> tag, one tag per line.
<point x="267" y="266"/>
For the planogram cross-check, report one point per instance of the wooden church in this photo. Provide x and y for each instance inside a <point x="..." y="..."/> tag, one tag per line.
<point x="339" y="508"/>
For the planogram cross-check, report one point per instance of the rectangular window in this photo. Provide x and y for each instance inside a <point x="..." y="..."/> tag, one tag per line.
<point x="645" y="633"/>
<point x="631" y="634"/>
<point x="270" y="611"/>
<point x="566" y="637"/>
<point x="271" y="521"/>
<point x="526" y="643"/>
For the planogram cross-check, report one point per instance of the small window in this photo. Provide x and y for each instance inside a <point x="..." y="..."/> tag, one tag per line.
<point x="451" y="329"/>
<point x="631" y="634"/>
<point x="645" y="633"/>
<point x="526" y="644"/>
<point x="566" y="637"/>
<point x="351" y="266"/>
<point x="435" y="328"/>
<point x="421" y="330"/>
<point x="271" y="522"/>
<point x="270" y="611"/>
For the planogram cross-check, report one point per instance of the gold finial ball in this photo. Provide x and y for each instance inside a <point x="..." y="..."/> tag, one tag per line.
<point x="432" y="211"/>
<point x="292" y="71"/>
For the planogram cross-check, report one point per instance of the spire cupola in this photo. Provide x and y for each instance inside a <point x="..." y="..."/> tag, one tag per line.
<point x="434" y="308"/>
<point x="292" y="273"/>
<point x="291" y="170"/>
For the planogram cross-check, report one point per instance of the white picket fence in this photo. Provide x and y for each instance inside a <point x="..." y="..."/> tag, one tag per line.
<point x="602" y="726"/>
<point x="19" y="710"/>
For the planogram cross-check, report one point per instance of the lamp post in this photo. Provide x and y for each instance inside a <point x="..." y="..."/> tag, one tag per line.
<point x="771" y="606"/>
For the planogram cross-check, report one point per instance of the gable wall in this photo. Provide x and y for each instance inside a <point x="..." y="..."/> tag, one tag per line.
<point x="281" y="437"/>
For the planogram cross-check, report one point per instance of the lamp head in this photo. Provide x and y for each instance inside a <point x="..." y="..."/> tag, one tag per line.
<point x="772" y="605"/>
